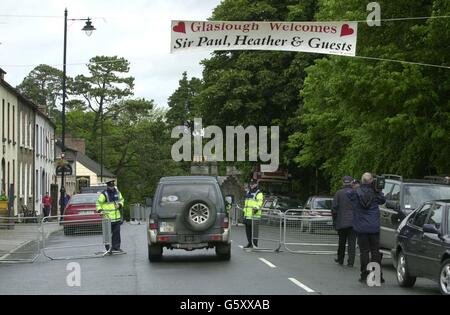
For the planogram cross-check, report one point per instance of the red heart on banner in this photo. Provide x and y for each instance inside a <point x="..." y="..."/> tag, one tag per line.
<point x="180" y="28"/>
<point x="346" y="30"/>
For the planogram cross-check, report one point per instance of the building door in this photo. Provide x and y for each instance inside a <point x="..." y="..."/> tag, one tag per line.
<point x="3" y="179"/>
<point x="54" y="193"/>
<point x="82" y="182"/>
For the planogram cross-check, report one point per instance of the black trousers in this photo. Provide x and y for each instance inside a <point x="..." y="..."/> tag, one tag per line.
<point x="369" y="248"/>
<point x="346" y="237"/>
<point x="248" y="231"/>
<point x="115" y="230"/>
<point x="46" y="211"/>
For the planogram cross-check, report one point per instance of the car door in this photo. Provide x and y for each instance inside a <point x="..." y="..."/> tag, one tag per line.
<point x="432" y="244"/>
<point x="389" y="219"/>
<point x="414" y="249"/>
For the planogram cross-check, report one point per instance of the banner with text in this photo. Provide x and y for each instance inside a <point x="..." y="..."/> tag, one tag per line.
<point x="335" y="38"/>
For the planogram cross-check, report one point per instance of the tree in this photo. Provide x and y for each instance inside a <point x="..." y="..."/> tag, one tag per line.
<point x="182" y="101"/>
<point x="383" y="117"/>
<point x="103" y="90"/>
<point x="43" y="85"/>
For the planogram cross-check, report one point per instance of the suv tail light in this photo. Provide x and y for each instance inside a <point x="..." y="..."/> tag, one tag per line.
<point x="153" y="224"/>
<point x="224" y="224"/>
<point x="215" y="237"/>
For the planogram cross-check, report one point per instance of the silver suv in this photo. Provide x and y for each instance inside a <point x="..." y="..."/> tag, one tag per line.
<point x="188" y="212"/>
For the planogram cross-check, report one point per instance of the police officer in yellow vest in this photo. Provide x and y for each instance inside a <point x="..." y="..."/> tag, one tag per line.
<point x="111" y="202"/>
<point x="252" y="213"/>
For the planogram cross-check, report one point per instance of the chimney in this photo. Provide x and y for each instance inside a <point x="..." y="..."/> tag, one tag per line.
<point x="76" y="144"/>
<point x="2" y="74"/>
<point x="43" y="109"/>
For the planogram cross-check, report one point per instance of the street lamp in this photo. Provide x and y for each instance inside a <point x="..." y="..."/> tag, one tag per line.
<point x="88" y="28"/>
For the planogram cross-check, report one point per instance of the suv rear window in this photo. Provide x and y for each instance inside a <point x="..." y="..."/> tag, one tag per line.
<point x="173" y="197"/>
<point x="415" y="195"/>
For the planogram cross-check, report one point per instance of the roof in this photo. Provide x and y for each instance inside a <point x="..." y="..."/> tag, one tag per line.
<point x="419" y="182"/>
<point x="443" y="200"/>
<point x="70" y="154"/>
<point x="435" y="180"/>
<point x="188" y="179"/>
<point x="92" y="165"/>
<point x="23" y="98"/>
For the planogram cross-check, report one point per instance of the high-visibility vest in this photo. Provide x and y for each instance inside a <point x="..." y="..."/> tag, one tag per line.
<point x="110" y="207"/>
<point x="253" y="200"/>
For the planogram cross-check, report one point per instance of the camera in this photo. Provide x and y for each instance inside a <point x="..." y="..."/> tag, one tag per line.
<point x="378" y="183"/>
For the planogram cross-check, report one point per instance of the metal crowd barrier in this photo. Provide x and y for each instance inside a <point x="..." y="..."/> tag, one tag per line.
<point x="267" y="231"/>
<point x="75" y="237"/>
<point x="307" y="233"/>
<point x="236" y="215"/>
<point x="20" y="239"/>
<point x="139" y="213"/>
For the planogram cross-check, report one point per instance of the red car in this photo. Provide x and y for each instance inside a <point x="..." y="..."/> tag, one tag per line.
<point x="80" y="215"/>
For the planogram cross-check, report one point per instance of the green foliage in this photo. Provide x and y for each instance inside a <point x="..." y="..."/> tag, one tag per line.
<point x="382" y="117"/>
<point x="43" y="86"/>
<point x="181" y="103"/>
<point x="338" y="115"/>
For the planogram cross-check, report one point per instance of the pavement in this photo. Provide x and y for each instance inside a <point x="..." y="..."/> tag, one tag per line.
<point x="197" y="272"/>
<point x="21" y="241"/>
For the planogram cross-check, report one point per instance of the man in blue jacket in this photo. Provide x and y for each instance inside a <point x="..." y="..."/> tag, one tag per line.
<point x="366" y="222"/>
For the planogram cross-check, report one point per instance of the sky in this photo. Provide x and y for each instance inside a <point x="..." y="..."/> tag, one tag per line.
<point x="138" y="30"/>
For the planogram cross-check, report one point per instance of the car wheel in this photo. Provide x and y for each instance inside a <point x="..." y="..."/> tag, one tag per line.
<point x="444" y="277"/>
<point x="155" y="252"/>
<point x="199" y="215"/>
<point x="223" y="251"/>
<point x="404" y="279"/>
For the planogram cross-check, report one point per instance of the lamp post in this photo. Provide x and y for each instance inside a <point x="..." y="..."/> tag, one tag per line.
<point x="88" y="28"/>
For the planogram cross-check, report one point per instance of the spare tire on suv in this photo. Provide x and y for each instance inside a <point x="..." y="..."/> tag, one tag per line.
<point x="199" y="214"/>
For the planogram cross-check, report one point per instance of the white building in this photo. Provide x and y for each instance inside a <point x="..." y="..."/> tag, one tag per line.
<point x="9" y="141"/>
<point x="86" y="172"/>
<point x="44" y="134"/>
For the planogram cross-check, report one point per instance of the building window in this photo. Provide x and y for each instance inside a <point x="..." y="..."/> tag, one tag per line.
<point x="36" y="142"/>
<point x="14" y="175"/>
<point x="8" y="179"/>
<point x="37" y="185"/>
<point x="19" y="187"/>
<point x="14" y="124"/>
<point x="9" y="120"/>
<point x="30" y="180"/>
<point x="42" y="141"/>
<point x="24" y="127"/>
<point x="29" y="131"/>
<point x="3" y="119"/>
<point x="24" y="180"/>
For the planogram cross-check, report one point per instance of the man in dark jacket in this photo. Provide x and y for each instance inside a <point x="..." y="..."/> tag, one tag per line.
<point x="366" y="222"/>
<point x="342" y="211"/>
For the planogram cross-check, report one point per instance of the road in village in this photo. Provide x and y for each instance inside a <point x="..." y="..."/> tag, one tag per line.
<point x="198" y="273"/>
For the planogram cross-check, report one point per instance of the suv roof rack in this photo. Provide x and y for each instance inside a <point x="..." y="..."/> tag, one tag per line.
<point x="438" y="179"/>
<point x="393" y="176"/>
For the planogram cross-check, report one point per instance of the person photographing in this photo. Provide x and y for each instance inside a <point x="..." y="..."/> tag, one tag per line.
<point x="366" y="200"/>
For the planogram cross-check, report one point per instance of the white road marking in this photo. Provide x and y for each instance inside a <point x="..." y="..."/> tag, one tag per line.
<point x="268" y="263"/>
<point x="301" y="285"/>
